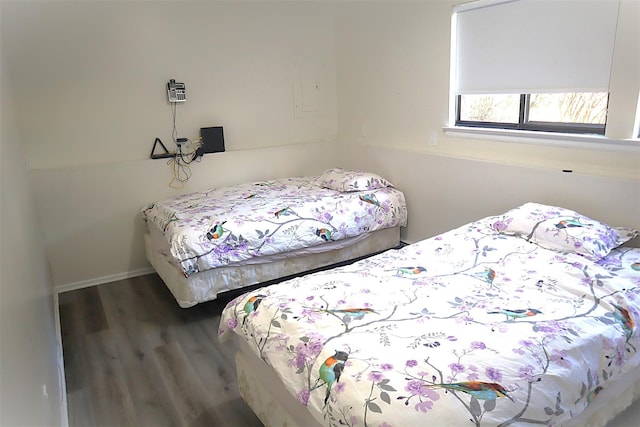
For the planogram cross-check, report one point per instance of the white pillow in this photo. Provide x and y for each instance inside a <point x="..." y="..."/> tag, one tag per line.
<point x="564" y="230"/>
<point x="346" y="180"/>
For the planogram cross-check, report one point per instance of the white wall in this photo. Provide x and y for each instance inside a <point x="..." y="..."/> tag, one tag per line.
<point x="92" y="82"/>
<point x="94" y="75"/>
<point x="444" y="192"/>
<point x="29" y="357"/>
<point x="624" y="98"/>
<point x="393" y="78"/>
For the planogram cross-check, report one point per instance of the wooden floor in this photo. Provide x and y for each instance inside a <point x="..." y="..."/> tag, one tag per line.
<point x="134" y="358"/>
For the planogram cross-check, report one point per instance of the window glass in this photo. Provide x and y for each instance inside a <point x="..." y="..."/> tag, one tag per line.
<point x="551" y="112"/>
<point x="589" y="108"/>
<point x="490" y="108"/>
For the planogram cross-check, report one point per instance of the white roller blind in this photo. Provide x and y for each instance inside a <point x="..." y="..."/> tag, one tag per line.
<point x="533" y="46"/>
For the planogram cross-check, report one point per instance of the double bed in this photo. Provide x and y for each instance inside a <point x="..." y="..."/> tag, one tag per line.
<point x="208" y="242"/>
<point x="524" y="318"/>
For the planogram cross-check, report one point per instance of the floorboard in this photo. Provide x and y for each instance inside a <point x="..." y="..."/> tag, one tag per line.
<point x="134" y="358"/>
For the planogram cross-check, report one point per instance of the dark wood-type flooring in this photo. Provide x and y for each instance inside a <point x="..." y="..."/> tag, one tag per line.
<point x="133" y="357"/>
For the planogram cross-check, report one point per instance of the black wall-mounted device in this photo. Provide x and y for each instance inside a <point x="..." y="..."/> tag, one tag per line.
<point x="212" y="139"/>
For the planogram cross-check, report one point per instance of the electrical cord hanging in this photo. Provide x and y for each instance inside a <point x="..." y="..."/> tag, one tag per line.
<point x="181" y="170"/>
<point x="185" y="155"/>
<point x="174" y="133"/>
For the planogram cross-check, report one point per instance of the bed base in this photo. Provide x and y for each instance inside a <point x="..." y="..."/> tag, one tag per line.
<point x="206" y="285"/>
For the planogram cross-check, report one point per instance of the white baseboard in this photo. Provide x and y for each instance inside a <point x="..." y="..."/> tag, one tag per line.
<point x="103" y="279"/>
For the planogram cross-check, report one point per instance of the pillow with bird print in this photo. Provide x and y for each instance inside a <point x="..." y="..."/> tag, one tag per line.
<point x="563" y="230"/>
<point x="344" y="180"/>
<point x="623" y="261"/>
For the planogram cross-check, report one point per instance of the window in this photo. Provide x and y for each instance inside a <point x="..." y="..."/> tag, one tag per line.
<point x="551" y="112"/>
<point x="533" y="65"/>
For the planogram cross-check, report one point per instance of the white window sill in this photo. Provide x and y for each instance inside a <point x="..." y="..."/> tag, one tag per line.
<point x="594" y="142"/>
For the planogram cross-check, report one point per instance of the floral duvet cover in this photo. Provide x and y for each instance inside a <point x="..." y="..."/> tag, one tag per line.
<point x="477" y="326"/>
<point x="225" y="225"/>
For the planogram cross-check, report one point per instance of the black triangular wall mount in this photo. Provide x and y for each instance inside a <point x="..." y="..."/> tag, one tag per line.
<point x="164" y="155"/>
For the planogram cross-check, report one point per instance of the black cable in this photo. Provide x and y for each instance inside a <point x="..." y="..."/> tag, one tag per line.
<point x="174" y="134"/>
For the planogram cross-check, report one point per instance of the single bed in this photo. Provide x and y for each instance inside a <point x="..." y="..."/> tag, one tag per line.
<point x="208" y="242"/>
<point x="518" y="319"/>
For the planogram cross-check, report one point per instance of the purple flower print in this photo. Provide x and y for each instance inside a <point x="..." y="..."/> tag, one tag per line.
<point x="424" y="406"/>
<point x="467" y="320"/>
<point x="375" y="376"/>
<point x="518" y="350"/>
<point x="494" y="374"/>
<point x="303" y="397"/>
<point x="268" y="240"/>
<point x="551" y="328"/>
<point x="343" y="229"/>
<point x="411" y="363"/>
<point x="299" y="361"/>
<point x="500" y="225"/>
<point x="386" y="366"/>
<point x="527" y="373"/>
<point x="311" y="315"/>
<point x="305" y="353"/>
<point x="617" y="359"/>
<point x="456" y="368"/>
<point x="415" y="387"/>
<point x="527" y="343"/>
<point x="526" y="346"/>
<point x="282" y="340"/>
<point x="232" y="323"/>
<point x="610" y="262"/>
<point x="425" y="394"/>
<point x="560" y="358"/>
<point x="576" y="265"/>
<point x="477" y="345"/>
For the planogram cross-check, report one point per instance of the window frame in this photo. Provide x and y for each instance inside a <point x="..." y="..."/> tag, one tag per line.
<point x="525" y="124"/>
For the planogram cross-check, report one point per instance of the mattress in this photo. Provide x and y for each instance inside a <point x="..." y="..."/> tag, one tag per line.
<point x="231" y="225"/>
<point x="528" y="317"/>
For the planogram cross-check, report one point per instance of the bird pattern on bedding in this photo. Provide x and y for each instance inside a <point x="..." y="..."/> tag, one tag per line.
<point x="231" y="224"/>
<point x="471" y="327"/>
